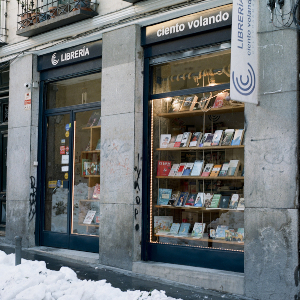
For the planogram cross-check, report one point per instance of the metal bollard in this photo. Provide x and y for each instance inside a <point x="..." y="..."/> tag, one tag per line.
<point x="18" y="250"/>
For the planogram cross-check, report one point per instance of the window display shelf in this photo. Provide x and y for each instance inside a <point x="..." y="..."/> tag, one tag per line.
<point x="212" y="111"/>
<point x="90" y="151"/>
<point x="201" y="148"/>
<point x="93" y="127"/>
<point x="91" y="176"/>
<point x="203" y="178"/>
<point x="193" y="208"/>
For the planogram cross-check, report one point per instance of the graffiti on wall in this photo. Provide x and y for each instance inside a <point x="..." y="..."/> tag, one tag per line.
<point x="136" y="186"/>
<point x="32" y="199"/>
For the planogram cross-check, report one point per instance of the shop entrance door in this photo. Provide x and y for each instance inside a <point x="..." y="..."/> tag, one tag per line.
<point x="71" y="173"/>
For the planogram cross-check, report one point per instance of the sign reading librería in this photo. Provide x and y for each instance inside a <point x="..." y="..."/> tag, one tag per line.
<point x="243" y="79"/>
<point x="191" y="24"/>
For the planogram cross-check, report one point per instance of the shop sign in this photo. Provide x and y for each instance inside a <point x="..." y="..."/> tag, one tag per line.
<point x="190" y="24"/>
<point x="243" y="79"/>
<point x="70" y="55"/>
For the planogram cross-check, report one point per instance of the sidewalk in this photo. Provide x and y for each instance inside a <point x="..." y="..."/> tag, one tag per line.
<point x="86" y="267"/>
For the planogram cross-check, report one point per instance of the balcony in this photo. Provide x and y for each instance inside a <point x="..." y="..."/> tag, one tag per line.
<point x="34" y="18"/>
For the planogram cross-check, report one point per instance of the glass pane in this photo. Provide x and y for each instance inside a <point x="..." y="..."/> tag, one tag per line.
<point x="79" y="90"/>
<point x="197" y="162"/>
<point x="4" y="161"/>
<point x="86" y="181"/>
<point x="3" y="212"/>
<point x="206" y="70"/>
<point x="57" y="173"/>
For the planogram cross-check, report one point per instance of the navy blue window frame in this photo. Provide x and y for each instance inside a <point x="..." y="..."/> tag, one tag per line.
<point x="175" y="254"/>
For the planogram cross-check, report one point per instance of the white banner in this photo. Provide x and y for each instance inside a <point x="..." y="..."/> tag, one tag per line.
<point x="243" y="80"/>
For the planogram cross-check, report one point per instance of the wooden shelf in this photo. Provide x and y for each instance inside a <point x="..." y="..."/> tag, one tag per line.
<point x="90" y="176"/>
<point x="200" y="148"/>
<point x="202" y="239"/>
<point x="93" y="127"/>
<point x="213" y="111"/>
<point x="199" y="208"/>
<point x="92" y="225"/>
<point x="91" y="151"/>
<point x="203" y="178"/>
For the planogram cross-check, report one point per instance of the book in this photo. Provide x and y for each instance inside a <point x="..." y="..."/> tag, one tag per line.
<point x="185" y="139"/>
<point x="94" y="119"/>
<point x="207" y="199"/>
<point x="238" y="137"/>
<point x="83" y="161"/>
<point x="98" y="145"/>
<point x="224" y="170"/>
<point x="215" y="171"/>
<point x="176" y="105"/>
<point x="234" y="201"/>
<point x="203" y="139"/>
<point x="217" y="138"/>
<point x="174" y="198"/>
<point x="174" y="229"/>
<point x="224" y="202"/>
<point x="199" y="200"/>
<point x="215" y="201"/>
<point x="182" y="198"/>
<point x="227" y="137"/>
<point x="220" y="100"/>
<point x="195" y="139"/>
<point x="96" y="192"/>
<point x="189" y="217"/>
<point x="164" y="196"/>
<point x="191" y="200"/>
<point x="207" y="170"/>
<point x="198" y="230"/>
<point x="89" y="217"/>
<point x="174" y="169"/>
<point x="181" y="168"/>
<point x="163" y="168"/>
<point x="233" y="167"/>
<point x="94" y="169"/>
<point x="164" y="140"/>
<point x="188" y="169"/>
<point x="220" y="231"/>
<point x="178" y="140"/>
<point x="241" y="205"/>
<point x="188" y="103"/>
<point x="172" y="141"/>
<point x="212" y="233"/>
<point x="208" y="140"/>
<point x="162" y="224"/>
<point x="197" y="168"/>
<point x="184" y="229"/>
<point x="87" y="168"/>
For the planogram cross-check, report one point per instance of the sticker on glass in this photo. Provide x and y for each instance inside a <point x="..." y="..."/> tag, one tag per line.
<point x="66" y="175"/>
<point x="67" y="134"/>
<point x="64" y="159"/>
<point x="62" y="150"/>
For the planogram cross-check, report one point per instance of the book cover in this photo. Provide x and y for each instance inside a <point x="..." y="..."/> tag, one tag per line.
<point x="174" y="198"/>
<point x="172" y="141"/>
<point x="181" y="169"/>
<point x="185" y="139"/>
<point x="241" y="231"/>
<point x="234" y="201"/>
<point x="189" y="217"/>
<point x="182" y="198"/>
<point x="174" y="229"/>
<point x="178" y="140"/>
<point x="215" y="201"/>
<point x="220" y="232"/>
<point x="241" y="205"/>
<point x="98" y="145"/>
<point x="220" y="100"/>
<point x="207" y="170"/>
<point x="201" y="142"/>
<point x="164" y="196"/>
<point x="207" y="199"/>
<point x="195" y="139"/>
<point x="191" y="200"/>
<point x="176" y="105"/>
<point x="174" y="169"/>
<point x="224" y="202"/>
<point x="217" y="138"/>
<point x="162" y="224"/>
<point x="89" y="217"/>
<point x="215" y="171"/>
<point x="197" y="168"/>
<point x="184" y="229"/>
<point x="233" y="167"/>
<point x="199" y="200"/>
<point x="163" y="168"/>
<point x="194" y="102"/>
<point x="96" y="192"/>
<point x="94" y="168"/>
<point x="212" y="233"/>
<point x="208" y="140"/>
<point x="227" y="137"/>
<point x="224" y="170"/>
<point x="238" y="137"/>
<point x="93" y="120"/>
<point x="188" y="102"/>
<point x="188" y="169"/>
<point x="198" y="230"/>
<point x="87" y="168"/>
<point x="164" y="140"/>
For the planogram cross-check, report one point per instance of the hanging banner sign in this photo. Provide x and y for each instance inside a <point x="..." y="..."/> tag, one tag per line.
<point x="243" y="79"/>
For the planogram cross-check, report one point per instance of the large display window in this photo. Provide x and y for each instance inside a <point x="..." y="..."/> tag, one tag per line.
<point x="196" y="183"/>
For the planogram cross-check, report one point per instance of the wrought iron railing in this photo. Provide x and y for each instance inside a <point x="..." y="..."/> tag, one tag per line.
<point x="33" y="12"/>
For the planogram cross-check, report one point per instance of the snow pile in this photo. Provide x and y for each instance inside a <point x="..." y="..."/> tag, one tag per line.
<point x="33" y="281"/>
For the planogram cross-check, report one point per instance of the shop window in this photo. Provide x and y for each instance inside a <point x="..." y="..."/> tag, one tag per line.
<point x="196" y="153"/>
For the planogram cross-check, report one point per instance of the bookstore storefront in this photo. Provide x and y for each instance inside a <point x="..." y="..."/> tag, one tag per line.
<point x="70" y="134"/>
<point x="194" y="213"/>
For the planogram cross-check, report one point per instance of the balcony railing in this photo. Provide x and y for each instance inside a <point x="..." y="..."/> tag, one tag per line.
<point x="36" y="17"/>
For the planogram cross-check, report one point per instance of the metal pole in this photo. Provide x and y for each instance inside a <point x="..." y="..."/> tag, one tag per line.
<point x="18" y="250"/>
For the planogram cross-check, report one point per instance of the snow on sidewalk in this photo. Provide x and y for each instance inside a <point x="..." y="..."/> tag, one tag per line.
<point x="33" y="281"/>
